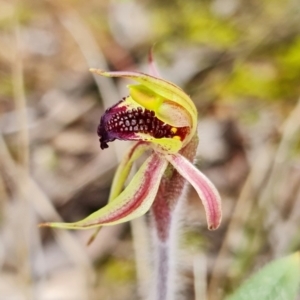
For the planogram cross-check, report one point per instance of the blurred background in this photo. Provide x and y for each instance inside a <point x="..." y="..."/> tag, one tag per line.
<point x="239" y="60"/>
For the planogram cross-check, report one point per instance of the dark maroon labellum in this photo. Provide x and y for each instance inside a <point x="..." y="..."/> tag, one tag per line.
<point x="119" y="123"/>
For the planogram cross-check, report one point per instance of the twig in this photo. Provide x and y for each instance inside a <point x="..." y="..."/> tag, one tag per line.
<point x="240" y="216"/>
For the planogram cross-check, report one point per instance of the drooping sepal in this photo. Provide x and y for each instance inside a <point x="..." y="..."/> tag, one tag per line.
<point x="206" y="190"/>
<point x="132" y="203"/>
<point x="152" y="66"/>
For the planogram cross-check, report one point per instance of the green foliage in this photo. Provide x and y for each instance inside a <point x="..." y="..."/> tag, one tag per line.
<point x="6" y="87"/>
<point x="194" y="22"/>
<point x="192" y="240"/>
<point x="119" y="271"/>
<point x="278" y="280"/>
<point x="288" y="62"/>
<point x="264" y="49"/>
<point x="250" y="80"/>
<point x="289" y="59"/>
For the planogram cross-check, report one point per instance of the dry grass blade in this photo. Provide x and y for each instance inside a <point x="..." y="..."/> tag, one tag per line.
<point x="289" y="135"/>
<point x="242" y="210"/>
<point x="91" y="52"/>
<point x="141" y="245"/>
<point x="200" y="277"/>
<point x="19" y="98"/>
<point x="23" y="244"/>
<point x="36" y="198"/>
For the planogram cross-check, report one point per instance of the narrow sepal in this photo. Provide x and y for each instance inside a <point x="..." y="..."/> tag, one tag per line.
<point x="207" y="192"/>
<point x="121" y="175"/>
<point x="152" y="66"/>
<point x="124" y="168"/>
<point x="132" y="203"/>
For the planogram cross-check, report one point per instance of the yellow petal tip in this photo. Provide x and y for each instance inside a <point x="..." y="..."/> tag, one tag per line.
<point x="93" y="70"/>
<point x="99" y="72"/>
<point x="44" y="225"/>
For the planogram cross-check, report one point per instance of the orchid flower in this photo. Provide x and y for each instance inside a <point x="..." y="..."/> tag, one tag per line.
<point x="162" y="121"/>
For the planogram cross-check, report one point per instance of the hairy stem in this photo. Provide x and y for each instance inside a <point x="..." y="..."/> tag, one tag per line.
<point x="165" y="217"/>
<point x="163" y="259"/>
<point x="165" y="263"/>
<point x="162" y="269"/>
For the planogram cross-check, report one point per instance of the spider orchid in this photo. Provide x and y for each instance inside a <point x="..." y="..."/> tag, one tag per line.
<point x="162" y="120"/>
